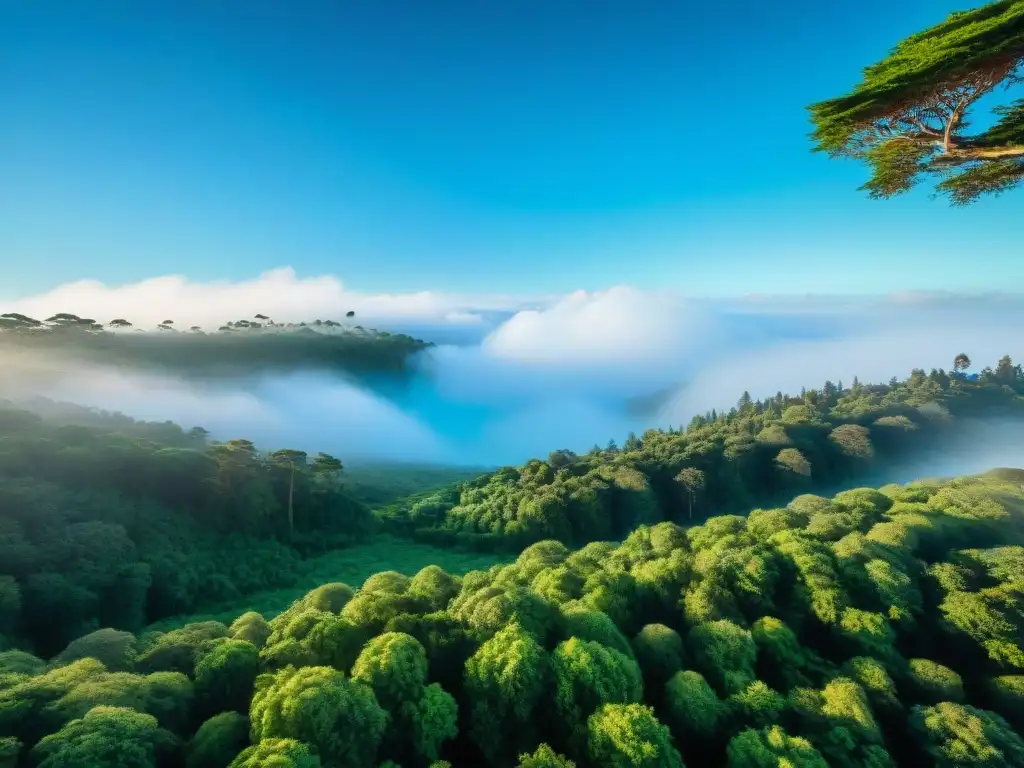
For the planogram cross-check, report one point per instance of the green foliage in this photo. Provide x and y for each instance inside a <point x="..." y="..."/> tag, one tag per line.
<point x="544" y="757"/>
<point x="218" y="741"/>
<point x="772" y="748"/>
<point x="873" y="628"/>
<point x="20" y="663"/>
<point x="505" y="680"/>
<point x="113" y="648"/>
<point x="763" y="454"/>
<point x="693" y="708"/>
<point x="252" y="628"/>
<point x="630" y="736"/>
<point x="756" y="705"/>
<point x="179" y="649"/>
<point x="394" y="665"/>
<point x="907" y="117"/>
<point x="434" y="721"/>
<point x="588" y="675"/>
<point x="816" y="641"/>
<point x="277" y="753"/>
<point x="659" y="651"/>
<point x="110" y="523"/>
<point x="106" y="737"/>
<point x="319" y="706"/>
<point x="725" y="653"/>
<point x="957" y="735"/>
<point x="225" y="676"/>
<point x="932" y="683"/>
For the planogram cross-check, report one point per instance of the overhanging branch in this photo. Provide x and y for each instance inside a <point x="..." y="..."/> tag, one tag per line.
<point x="962" y="155"/>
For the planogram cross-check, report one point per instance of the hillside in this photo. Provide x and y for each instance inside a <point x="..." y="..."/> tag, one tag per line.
<point x="757" y="453"/>
<point x="876" y="628"/>
<point x="124" y="522"/>
<point x="236" y="348"/>
<point x="866" y="629"/>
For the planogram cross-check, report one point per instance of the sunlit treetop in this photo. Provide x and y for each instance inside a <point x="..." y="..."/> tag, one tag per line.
<point x="909" y="116"/>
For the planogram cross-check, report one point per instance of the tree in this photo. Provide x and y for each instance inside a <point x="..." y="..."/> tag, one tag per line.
<point x="544" y="757"/>
<point x="955" y="735"/>
<point x="319" y="706"/>
<point x="1005" y="370"/>
<point x="505" y="680"/>
<point x="659" y="652"/>
<point x="225" y="676"/>
<point x="907" y="117"/>
<point x="63" y="317"/>
<point x="725" y="652"/>
<point x="325" y="465"/>
<point x="218" y="741"/>
<point x="280" y="753"/>
<point x="588" y="675"/>
<point x="394" y="665"/>
<point x="961" y="363"/>
<point x="630" y="736"/>
<point x="115" y="649"/>
<point x="119" y="322"/>
<point x="350" y="313"/>
<point x="772" y="748"/>
<point x="745" y="403"/>
<point x="289" y="459"/>
<point x="106" y="737"/>
<point x="693" y="708"/>
<point x="434" y="720"/>
<point x="793" y="463"/>
<point x="692" y="480"/>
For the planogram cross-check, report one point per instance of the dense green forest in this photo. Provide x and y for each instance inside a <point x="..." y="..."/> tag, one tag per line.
<point x="238" y="346"/>
<point x="871" y="629"/>
<point x="757" y="453"/>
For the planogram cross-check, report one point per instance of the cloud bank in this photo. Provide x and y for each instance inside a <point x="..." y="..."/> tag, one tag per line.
<point x="279" y="294"/>
<point x="514" y="377"/>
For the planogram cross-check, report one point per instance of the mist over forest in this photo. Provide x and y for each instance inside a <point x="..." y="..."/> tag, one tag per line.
<point x="513" y="385"/>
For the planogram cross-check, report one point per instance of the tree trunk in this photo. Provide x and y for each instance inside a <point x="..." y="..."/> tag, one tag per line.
<point x="291" y="509"/>
<point x="690" y="496"/>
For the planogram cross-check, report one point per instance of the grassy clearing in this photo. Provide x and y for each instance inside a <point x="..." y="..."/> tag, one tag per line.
<point x="352" y="565"/>
<point x="379" y="483"/>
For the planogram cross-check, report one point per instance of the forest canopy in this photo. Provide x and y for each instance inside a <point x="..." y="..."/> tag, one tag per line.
<point x="686" y="599"/>
<point x="758" y="452"/>
<point x="875" y="628"/>
<point x="908" y="118"/>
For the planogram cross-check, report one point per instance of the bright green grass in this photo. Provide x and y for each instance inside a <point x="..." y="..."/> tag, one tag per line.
<point x="352" y="565"/>
<point x="380" y="483"/>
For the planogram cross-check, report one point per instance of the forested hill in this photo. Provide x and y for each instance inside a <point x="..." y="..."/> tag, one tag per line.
<point x="757" y="453"/>
<point x="238" y="347"/>
<point x="877" y="628"/>
<point x="119" y="522"/>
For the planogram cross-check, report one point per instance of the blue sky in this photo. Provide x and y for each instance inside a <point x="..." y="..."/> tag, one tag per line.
<point x="536" y="146"/>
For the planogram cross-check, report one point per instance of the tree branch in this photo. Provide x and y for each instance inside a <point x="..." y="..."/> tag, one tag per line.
<point x="967" y="154"/>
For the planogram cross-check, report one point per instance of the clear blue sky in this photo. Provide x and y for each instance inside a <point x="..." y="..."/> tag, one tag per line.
<point x="517" y="146"/>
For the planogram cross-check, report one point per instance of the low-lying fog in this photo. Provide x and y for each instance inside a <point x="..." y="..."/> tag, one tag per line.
<point x="578" y="371"/>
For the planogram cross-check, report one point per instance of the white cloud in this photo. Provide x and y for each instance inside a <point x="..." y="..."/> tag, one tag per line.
<point x="621" y="325"/>
<point x="279" y="293"/>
